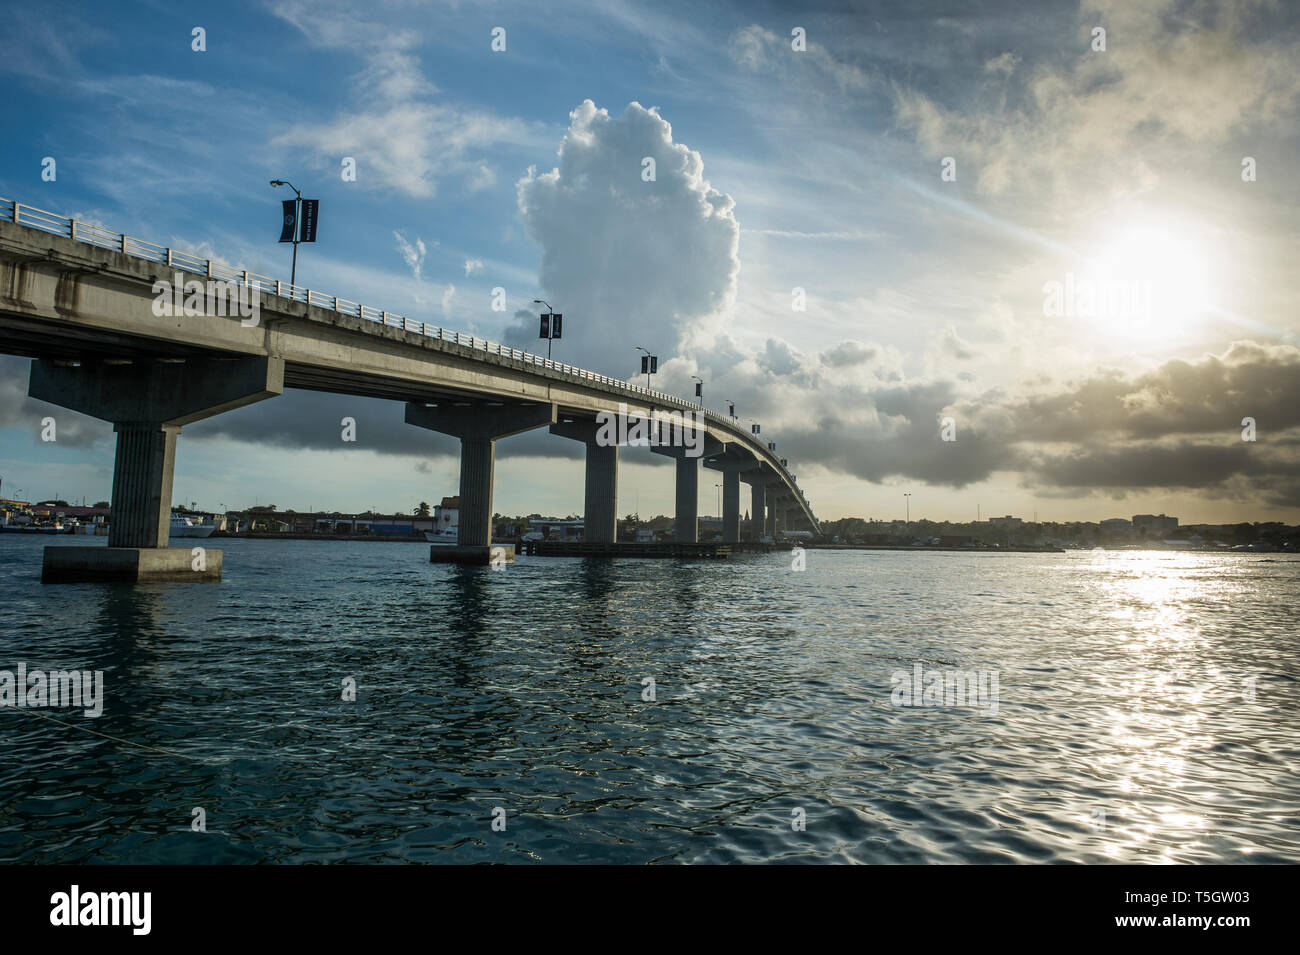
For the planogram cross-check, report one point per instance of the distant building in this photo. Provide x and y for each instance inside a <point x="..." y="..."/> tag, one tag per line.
<point x="446" y="516"/>
<point x="555" y="529"/>
<point x="1154" y="523"/>
<point x="1007" y="521"/>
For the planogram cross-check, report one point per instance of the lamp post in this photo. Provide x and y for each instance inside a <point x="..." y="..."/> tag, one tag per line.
<point x="297" y="224"/>
<point x="731" y="408"/>
<point x="907" y="503"/>
<point x="550" y="326"/>
<point x="699" y="386"/>
<point x="651" y="365"/>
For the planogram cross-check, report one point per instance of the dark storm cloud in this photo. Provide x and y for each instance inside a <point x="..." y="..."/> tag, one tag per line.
<point x="1209" y="396"/>
<point x="1144" y="465"/>
<point x="18" y="411"/>
<point x="311" y="419"/>
<point x="1176" y="426"/>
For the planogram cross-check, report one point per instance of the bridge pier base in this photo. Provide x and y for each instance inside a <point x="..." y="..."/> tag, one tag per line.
<point x="132" y="565"/>
<point x="600" y="496"/>
<point x="479" y="425"/>
<point x="148" y="403"/>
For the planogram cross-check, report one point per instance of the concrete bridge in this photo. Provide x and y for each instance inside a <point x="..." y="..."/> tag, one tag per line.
<point x="80" y="300"/>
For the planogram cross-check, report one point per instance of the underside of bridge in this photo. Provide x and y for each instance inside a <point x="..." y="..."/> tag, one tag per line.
<point x="148" y="403"/>
<point x="86" y="315"/>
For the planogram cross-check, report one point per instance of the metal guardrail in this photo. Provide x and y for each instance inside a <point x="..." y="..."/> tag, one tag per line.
<point x="45" y="221"/>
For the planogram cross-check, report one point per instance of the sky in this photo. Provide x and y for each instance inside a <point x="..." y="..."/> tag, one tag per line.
<point x="872" y="226"/>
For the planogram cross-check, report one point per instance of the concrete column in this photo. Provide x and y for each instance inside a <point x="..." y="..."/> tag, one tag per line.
<point x="478" y="424"/>
<point x="600" y="500"/>
<point x="757" y="499"/>
<point x="142" y="484"/>
<point x="148" y="403"/>
<point x="731" y="506"/>
<point x="688" y="500"/>
<point x="600" y="506"/>
<point x="477" y="465"/>
<point x="770" y="524"/>
<point x="687" y="528"/>
<point x="736" y="465"/>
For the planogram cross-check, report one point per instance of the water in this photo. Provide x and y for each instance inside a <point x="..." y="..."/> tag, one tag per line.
<point x="1121" y="684"/>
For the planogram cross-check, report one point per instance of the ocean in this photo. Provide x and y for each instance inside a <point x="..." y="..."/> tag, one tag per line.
<point x="874" y="707"/>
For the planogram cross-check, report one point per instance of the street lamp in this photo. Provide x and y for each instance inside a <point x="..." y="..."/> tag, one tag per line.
<point x="907" y="503"/>
<point x="551" y="328"/>
<point x="297" y="222"/>
<point x="719" y="487"/>
<point x="649" y="365"/>
<point x="731" y="408"/>
<point x="699" y="386"/>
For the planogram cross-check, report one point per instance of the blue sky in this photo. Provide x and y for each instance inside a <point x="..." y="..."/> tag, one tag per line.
<point x="778" y="169"/>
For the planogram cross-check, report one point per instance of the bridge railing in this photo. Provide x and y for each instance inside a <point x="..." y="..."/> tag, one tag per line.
<point x="93" y="234"/>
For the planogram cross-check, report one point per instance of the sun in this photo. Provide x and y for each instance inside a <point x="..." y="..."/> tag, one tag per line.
<point x="1149" y="282"/>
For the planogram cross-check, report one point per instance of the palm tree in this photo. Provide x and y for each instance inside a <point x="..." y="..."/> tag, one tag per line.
<point x="422" y="510"/>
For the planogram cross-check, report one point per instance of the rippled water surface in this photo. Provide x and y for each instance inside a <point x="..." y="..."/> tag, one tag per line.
<point x="1123" y="730"/>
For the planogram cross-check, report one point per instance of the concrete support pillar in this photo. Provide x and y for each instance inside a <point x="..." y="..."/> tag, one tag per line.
<point x="600" y="502"/>
<point x="477" y="466"/>
<point x="731" y="506"/>
<point x="688" y="500"/>
<point x="148" y="403"/>
<point x="142" y="484"/>
<point x="479" y="424"/>
<point x="736" y="465"/>
<point x="600" y="499"/>
<point x="769" y="528"/>
<point x="757" y="504"/>
<point x="687" y="527"/>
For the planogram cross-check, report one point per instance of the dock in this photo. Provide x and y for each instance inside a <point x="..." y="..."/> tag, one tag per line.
<point x="544" y="548"/>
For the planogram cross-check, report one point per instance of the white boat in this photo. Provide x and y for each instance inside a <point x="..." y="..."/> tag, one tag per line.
<point x="183" y="527"/>
<point x="448" y="535"/>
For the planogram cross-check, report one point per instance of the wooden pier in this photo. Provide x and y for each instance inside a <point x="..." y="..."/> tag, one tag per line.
<point x="711" y="551"/>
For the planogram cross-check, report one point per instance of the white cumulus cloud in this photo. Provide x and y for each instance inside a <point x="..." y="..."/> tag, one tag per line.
<point x="629" y="262"/>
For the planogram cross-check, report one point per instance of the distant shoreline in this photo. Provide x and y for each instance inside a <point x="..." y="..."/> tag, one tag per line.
<point x="223" y="535"/>
<point x="933" y="548"/>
